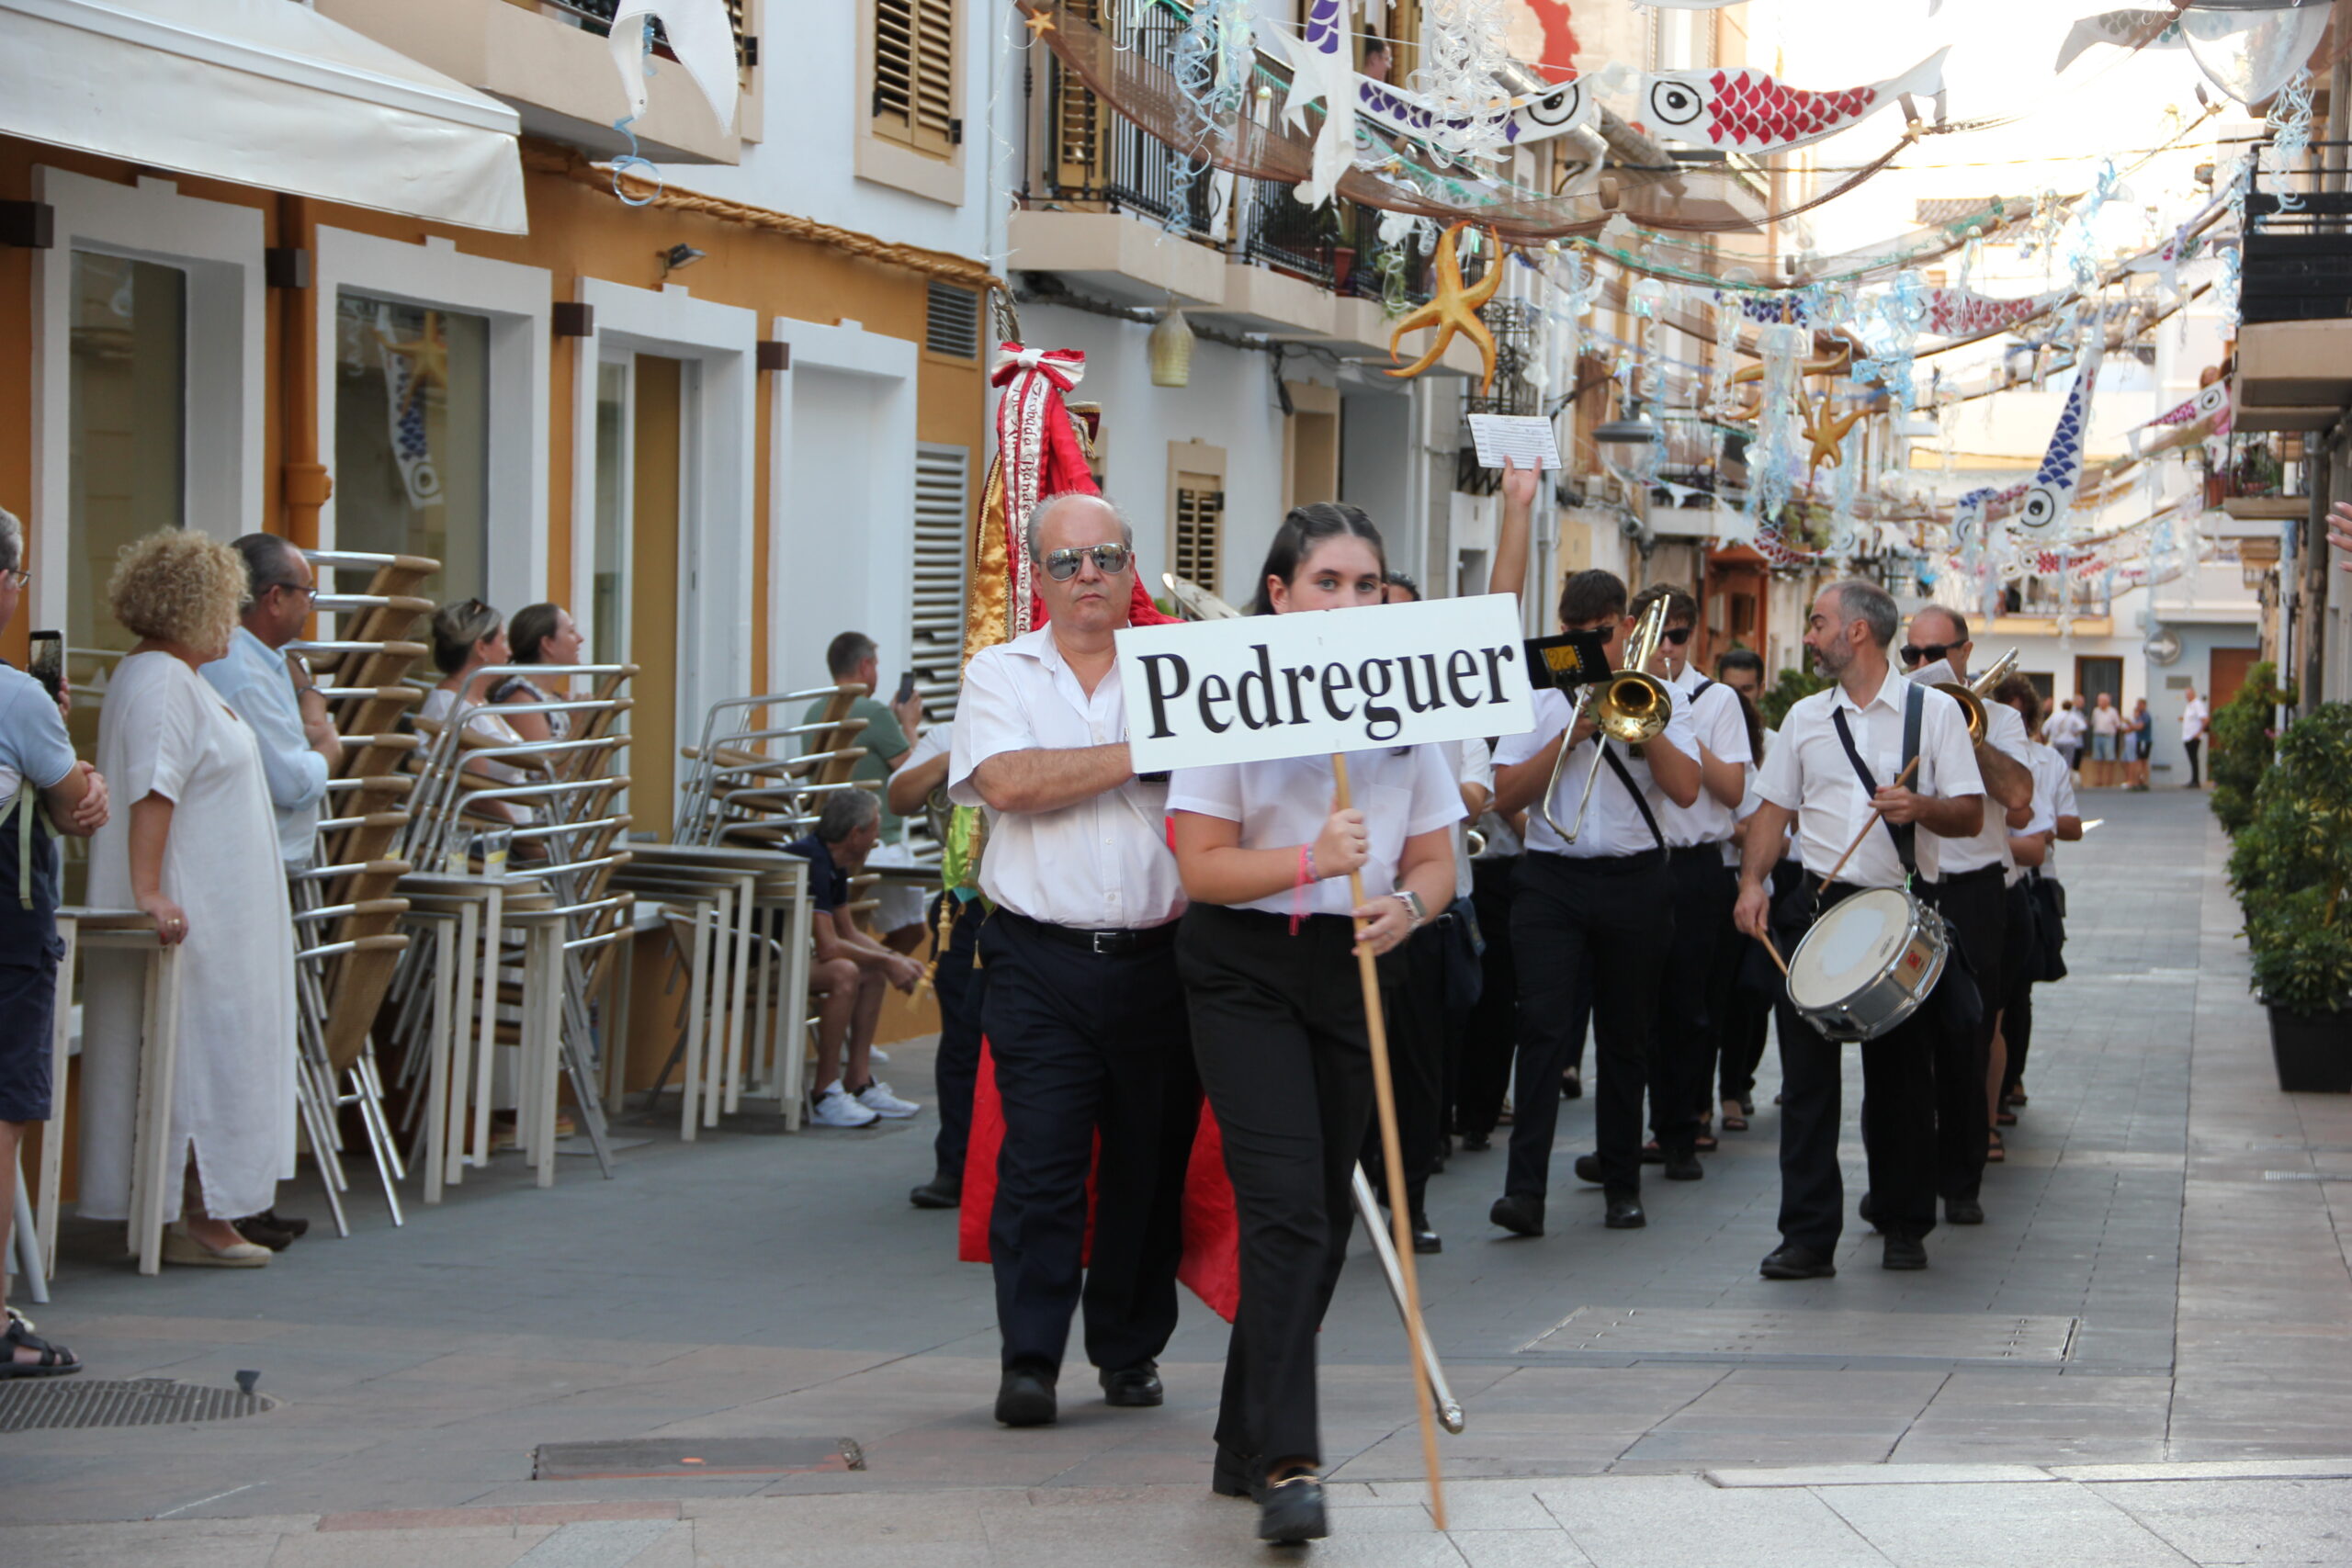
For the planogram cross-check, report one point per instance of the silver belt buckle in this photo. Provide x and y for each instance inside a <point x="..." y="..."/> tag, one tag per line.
<point x="1105" y="941"/>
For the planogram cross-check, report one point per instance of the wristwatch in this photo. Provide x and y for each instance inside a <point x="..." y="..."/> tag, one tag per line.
<point x="1415" y="910"/>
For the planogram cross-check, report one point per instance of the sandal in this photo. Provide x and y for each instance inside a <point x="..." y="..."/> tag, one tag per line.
<point x="1705" y="1143"/>
<point x="49" y="1360"/>
<point x="1994" y="1153"/>
<point x="2006" y="1119"/>
<point x="1734" y="1116"/>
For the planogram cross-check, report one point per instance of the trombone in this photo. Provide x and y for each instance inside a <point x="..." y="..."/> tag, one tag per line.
<point x="1632" y="706"/>
<point x="1972" y="696"/>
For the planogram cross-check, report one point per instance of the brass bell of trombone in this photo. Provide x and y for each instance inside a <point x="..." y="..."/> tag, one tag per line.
<point x="1973" y="696"/>
<point x="1630" y="706"/>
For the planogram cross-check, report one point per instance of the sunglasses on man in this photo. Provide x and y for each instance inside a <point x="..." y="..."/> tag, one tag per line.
<point x="1109" y="559"/>
<point x="1915" y="655"/>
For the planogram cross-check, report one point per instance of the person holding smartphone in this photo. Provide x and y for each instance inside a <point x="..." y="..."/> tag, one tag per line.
<point x="44" y="791"/>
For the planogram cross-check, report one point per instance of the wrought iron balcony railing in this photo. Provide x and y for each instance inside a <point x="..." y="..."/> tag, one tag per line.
<point x="2298" y="260"/>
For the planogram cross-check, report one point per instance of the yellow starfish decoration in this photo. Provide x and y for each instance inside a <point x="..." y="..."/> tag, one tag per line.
<point x="1826" y="432"/>
<point x="427" y="356"/>
<point x="1454" y="309"/>
<point x="1038" y="23"/>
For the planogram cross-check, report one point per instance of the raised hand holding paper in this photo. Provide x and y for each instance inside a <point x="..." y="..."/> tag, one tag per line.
<point x="1526" y="439"/>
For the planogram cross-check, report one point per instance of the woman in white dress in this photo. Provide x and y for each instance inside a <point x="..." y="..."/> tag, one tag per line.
<point x="198" y="850"/>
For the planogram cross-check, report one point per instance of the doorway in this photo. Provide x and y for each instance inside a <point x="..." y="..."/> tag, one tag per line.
<point x="2094" y="675"/>
<point x="2229" y="669"/>
<point x="636" y="609"/>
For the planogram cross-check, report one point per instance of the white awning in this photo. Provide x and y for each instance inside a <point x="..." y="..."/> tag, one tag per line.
<point x="264" y="93"/>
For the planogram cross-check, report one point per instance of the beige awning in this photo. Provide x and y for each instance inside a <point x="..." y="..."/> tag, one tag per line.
<point x="262" y="93"/>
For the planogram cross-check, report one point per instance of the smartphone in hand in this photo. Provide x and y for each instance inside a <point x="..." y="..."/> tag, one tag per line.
<point x="906" y="690"/>
<point x="47" y="665"/>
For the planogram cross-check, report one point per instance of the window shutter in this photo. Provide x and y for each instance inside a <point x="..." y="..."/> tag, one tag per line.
<point x="914" y="74"/>
<point x="1200" y="526"/>
<point x="943" y="518"/>
<point x="952" y="320"/>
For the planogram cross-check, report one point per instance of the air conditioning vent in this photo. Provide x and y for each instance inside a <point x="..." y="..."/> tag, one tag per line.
<point x="952" y="323"/>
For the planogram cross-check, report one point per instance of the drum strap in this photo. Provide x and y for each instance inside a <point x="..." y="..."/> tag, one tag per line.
<point x="1625" y="777"/>
<point x="1905" y="837"/>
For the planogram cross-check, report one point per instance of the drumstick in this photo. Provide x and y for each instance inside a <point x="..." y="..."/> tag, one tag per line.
<point x="1865" y="833"/>
<point x="1385" y="1102"/>
<point x="1767" y="940"/>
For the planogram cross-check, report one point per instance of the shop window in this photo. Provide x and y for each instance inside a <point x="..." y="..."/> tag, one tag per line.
<point x="411" y="440"/>
<point x="914" y="74"/>
<point x="128" y="433"/>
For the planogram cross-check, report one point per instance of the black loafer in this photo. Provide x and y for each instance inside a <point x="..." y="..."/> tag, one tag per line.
<point x="1425" y="1239"/>
<point x="1518" y="1213"/>
<point x="1867" y="1208"/>
<point x="298" y="1227"/>
<point x="1903" y="1252"/>
<point x="937" y="1193"/>
<point x="1571" y="1084"/>
<point x="1588" y="1168"/>
<point x="1134" y="1388"/>
<point x="1292" y="1510"/>
<point x="1025" y="1399"/>
<point x="1684" y="1168"/>
<point x="257" y="1229"/>
<point x="1790" y="1261"/>
<point x="1626" y="1213"/>
<point x="1234" y="1476"/>
<point x="1963" y="1211"/>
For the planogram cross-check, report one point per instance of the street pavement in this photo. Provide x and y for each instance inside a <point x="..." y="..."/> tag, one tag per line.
<point x="2146" y="1355"/>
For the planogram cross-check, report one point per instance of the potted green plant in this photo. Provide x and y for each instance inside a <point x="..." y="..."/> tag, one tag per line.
<point x="2290" y="865"/>
<point x="2241" y="744"/>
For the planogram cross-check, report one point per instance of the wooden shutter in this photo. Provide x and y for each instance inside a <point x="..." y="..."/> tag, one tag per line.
<point x="914" y="74"/>
<point x="1199" y="528"/>
<point x="1080" y="124"/>
<point x="943" y="518"/>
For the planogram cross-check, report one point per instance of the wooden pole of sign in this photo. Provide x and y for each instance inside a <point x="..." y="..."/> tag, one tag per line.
<point x="1385" y="1101"/>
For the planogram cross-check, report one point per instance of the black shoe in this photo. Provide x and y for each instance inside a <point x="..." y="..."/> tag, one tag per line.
<point x="1790" y="1261"/>
<point x="1963" y="1211"/>
<point x="1025" y="1399"/>
<point x="1134" y="1388"/>
<point x="1476" y="1143"/>
<point x="1588" y="1169"/>
<point x="1571" y="1084"/>
<point x="1684" y="1168"/>
<point x="1234" y="1476"/>
<point x="256" y="1229"/>
<point x="1903" y="1252"/>
<point x="1625" y="1211"/>
<point x="1867" y="1208"/>
<point x="1518" y="1213"/>
<point x="1292" y="1510"/>
<point x="1425" y="1237"/>
<point x="939" y="1192"/>
<point x="299" y="1227"/>
<point x="1652" y="1154"/>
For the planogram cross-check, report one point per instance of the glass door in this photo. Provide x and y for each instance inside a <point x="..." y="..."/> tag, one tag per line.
<point x="412" y="441"/>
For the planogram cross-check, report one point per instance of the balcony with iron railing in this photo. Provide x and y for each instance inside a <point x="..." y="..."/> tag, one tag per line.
<point x="2295" y="296"/>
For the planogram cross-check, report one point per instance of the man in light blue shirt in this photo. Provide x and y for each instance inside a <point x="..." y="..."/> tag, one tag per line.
<point x="298" y="746"/>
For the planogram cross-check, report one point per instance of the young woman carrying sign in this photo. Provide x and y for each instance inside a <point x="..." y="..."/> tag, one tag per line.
<point x="1267" y="955"/>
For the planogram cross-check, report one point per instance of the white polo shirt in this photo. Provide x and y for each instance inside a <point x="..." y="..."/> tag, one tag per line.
<point x="1101" y="864"/>
<point x="1807" y="771"/>
<point x="1283" y="804"/>
<point x="1719" y="725"/>
<point x="1613" y="827"/>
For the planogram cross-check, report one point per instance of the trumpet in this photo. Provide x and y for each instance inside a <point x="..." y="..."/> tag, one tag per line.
<point x="1972" y="696"/>
<point x="1632" y="706"/>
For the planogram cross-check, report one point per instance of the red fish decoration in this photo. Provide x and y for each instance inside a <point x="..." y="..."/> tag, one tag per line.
<point x="1748" y="111"/>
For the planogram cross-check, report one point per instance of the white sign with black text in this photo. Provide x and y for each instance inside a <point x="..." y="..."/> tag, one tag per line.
<point x="1268" y="686"/>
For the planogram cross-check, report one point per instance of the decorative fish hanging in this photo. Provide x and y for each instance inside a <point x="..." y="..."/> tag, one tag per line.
<point x="1959" y="312"/>
<point x="1748" y="111"/>
<point x="2050" y="496"/>
<point x="2208" y="401"/>
<point x="2123" y="29"/>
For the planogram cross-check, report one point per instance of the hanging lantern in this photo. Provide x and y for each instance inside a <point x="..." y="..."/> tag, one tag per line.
<point x="1171" y="351"/>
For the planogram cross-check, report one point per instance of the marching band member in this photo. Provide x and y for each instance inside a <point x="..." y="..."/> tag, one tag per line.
<point x="1601" y="905"/>
<point x="1973" y="894"/>
<point x="1743" y="1013"/>
<point x="1683" y="1060"/>
<point x="1083" y="1012"/>
<point x="2036" y="900"/>
<point x="1833" y="773"/>
<point x="1267" y="954"/>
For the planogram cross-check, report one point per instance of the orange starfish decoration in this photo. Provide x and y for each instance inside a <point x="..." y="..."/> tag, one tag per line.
<point x="1038" y="23"/>
<point x="427" y="356"/>
<point x="1453" y="309"/>
<point x="1827" y="432"/>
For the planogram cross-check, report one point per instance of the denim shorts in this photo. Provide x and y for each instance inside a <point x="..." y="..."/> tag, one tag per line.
<point x="2102" y="748"/>
<point x="28" y="1008"/>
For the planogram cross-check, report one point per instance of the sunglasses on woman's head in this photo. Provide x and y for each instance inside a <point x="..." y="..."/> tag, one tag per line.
<point x="1109" y="559"/>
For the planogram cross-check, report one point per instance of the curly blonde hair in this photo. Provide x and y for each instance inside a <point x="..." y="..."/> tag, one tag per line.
<point x="181" y="586"/>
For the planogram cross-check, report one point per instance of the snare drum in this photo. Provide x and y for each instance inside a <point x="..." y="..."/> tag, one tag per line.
<point x="1868" y="963"/>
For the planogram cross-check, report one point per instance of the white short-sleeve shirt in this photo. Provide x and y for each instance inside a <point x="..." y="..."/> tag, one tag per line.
<point x="1473" y="764"/>
<point x="1614" y="826"/>
<point x="1807" y="771"/>
<point x="1722" y="728"/>
<point x="2054" y="796"/>
<point x="1100" y="864"/>
<point x="1283" y="803"/>
<point x="2005" y="731"/>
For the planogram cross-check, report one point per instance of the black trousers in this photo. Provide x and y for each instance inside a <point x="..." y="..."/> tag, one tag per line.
<point x="1975" y="906"/>
<point x="1613" y="920"/>
<point x="962" y="986"/>
<point x="1086" y="1043"/>
<point x="1898" y="1115"/>
<point x="1741" y="998"/>
<point x="2192" y="748"/>
<point x="1490" y="1034"/>
<point x="1684" y="1057"/>
<point x="2017" y="987"/>
<point x="1278" y="1029"/>
<point x="1412" y="993"/>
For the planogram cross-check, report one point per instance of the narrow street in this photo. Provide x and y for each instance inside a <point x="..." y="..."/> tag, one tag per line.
<point x="2144" y="1350"/>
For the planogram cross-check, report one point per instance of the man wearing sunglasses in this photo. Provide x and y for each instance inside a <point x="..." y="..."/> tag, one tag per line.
<point x="1085" y="1015"/>
<point x="1682" y="1050"/>
<point x="1972" y="891"/>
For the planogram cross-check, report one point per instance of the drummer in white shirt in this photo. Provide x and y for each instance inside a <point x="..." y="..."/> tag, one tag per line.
<point x="1832" y="772"/>
<point x="1973" y="894"/>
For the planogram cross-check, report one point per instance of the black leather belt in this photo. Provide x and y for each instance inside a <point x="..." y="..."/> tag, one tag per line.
<point x="1692" y="852"/>
<point x="1142" y="939"/>
<point x="1981" y="873"/>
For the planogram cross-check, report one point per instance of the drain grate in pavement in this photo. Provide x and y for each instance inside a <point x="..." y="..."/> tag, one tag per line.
<point x="630" y="1458"/>
<point x="1718" y="1335"/>
<point x="28" y="1404"/>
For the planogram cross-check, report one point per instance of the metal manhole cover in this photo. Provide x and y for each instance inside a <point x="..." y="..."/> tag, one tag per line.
<point x="630" y="1458"/>
<point x="32" y="1404"/>
<point x="1717" y="1335"/>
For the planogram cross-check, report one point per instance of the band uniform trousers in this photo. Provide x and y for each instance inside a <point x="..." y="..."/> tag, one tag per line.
<point x="2018" y="961"/>
<point x="1974" y="905"/>
<point x="1899" y="1121"/>
<point x="1683" y="1055"/>
<point x="1613" y="920"/>
<point x="1278" y="1032"/>
<point x="1085" y="1041"/>
<point x="1412" y="993"/>
<point x="1490" y="1037"/>
<point x="962" y="986"/>
<point x="1744" y="1012"/>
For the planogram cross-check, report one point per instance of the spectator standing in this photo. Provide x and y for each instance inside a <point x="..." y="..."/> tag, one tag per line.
<point x="43" y="792"/>
<point x="2193" y="720"/>
<point x="889" y="735"/>
<point x="2139" y="740"/>
<point x="198" y="850"/>
<point x="2107" y="728"/>
<point x="851" y="968"/>
<point x="274" y="695"/>
<point x="2066" y="730"/>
